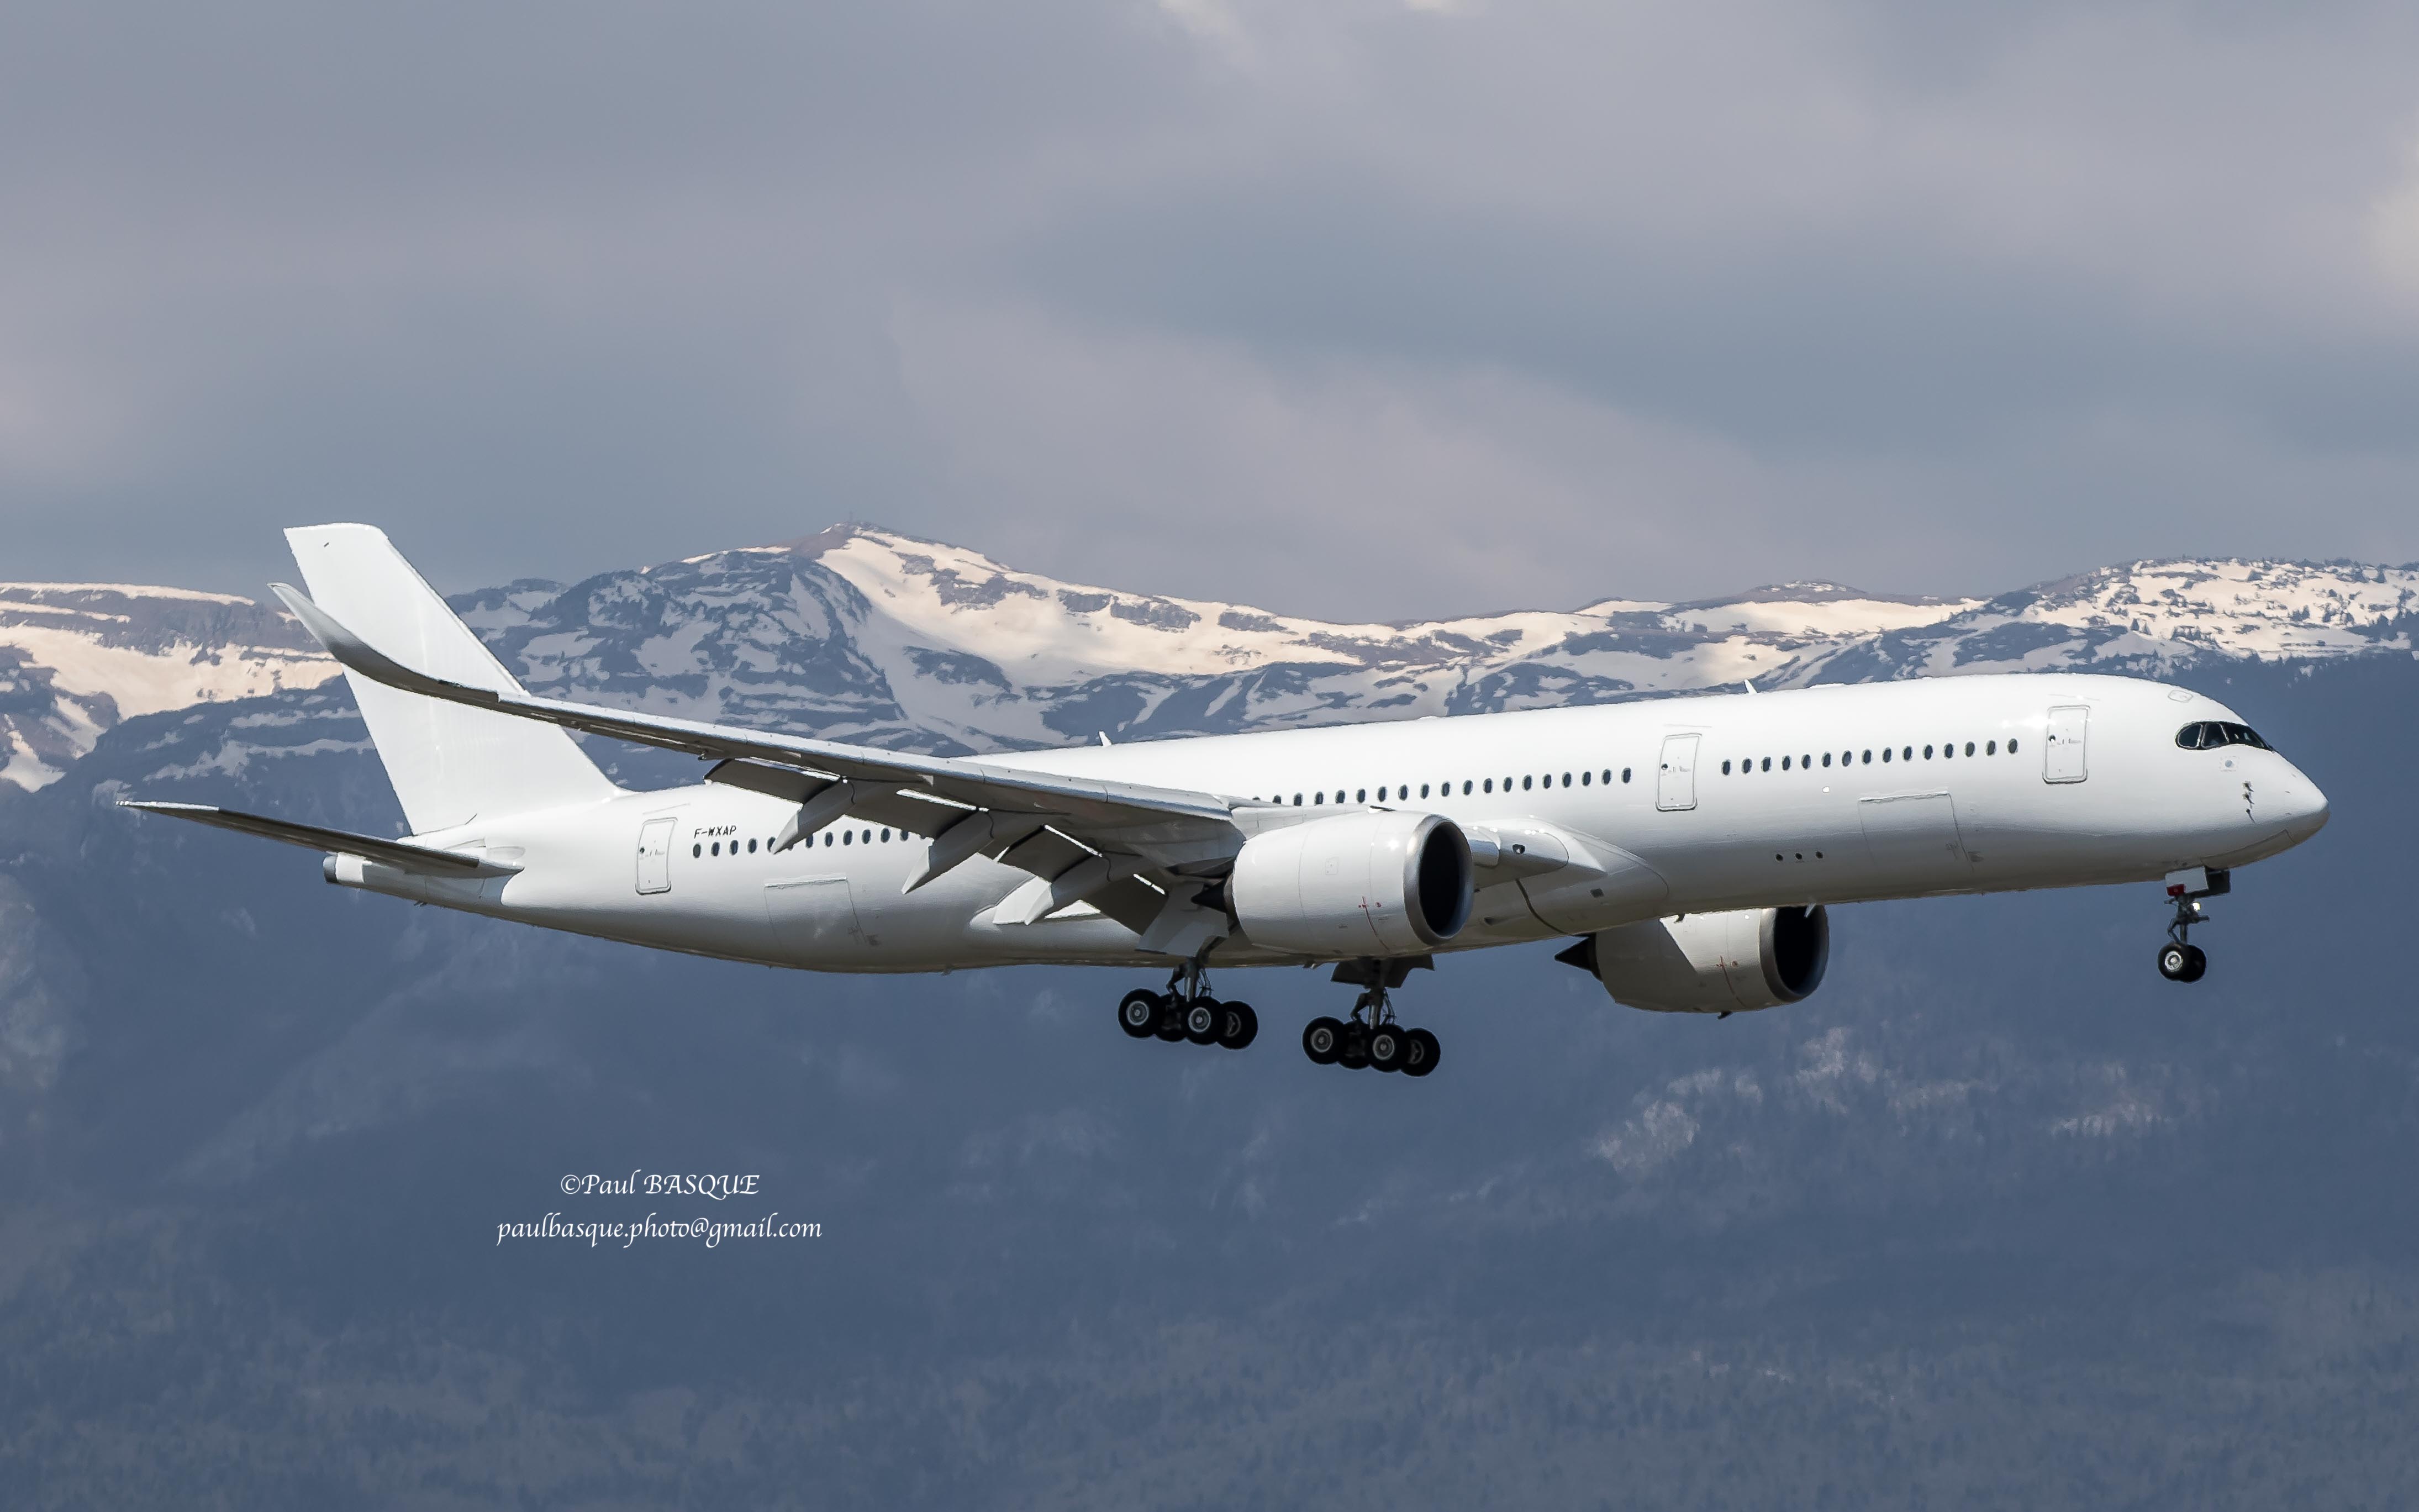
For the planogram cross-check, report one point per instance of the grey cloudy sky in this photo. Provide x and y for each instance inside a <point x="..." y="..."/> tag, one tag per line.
<point x="1350" y="307"/>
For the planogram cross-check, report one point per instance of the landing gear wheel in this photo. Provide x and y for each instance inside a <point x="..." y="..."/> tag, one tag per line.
<point x="1203" y="1018"/>
<point x="1171" y="1019"/>
<point x="1322" y="1040"/>
<point x="1238" y="1026"/>
<point x="1138" y="1013"/>
<point x="1352" y="1050"/>
<point x="1421" y="1053"/>
<point x="1389" y="1047"/>
<point x="2179" y="961"/>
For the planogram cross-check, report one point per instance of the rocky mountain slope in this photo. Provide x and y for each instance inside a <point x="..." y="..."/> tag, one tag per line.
<point x="2015" y="1221"/>
<point x="75" y="658"/>
<point x="865" y="634"/>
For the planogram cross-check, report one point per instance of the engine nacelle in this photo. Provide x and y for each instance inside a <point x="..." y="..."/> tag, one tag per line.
<point x="1372" y="883"/>
<point x="1728" y="963"/>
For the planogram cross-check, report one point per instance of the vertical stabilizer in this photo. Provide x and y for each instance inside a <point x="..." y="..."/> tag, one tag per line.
<point x="449" y="764"/>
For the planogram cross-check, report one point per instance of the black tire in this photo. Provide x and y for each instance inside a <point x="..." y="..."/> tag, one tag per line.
<point x="1238" y="1025"/>
<point x="1321" y="1040"/>
<point x="2176" y="960"/>
<point x="1389" y="1047"/>
<point x="1171" y="1019"/>
<point x="1352" y="1050"/>
<point x="1424" y="1053"/>
<point x="2196" y="966"/>
<point x="1138" y="1013"/>
<point x="1203" y="1018"/>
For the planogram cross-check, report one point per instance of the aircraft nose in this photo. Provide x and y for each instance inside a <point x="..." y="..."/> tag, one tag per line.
<point x="2305" y="808"/>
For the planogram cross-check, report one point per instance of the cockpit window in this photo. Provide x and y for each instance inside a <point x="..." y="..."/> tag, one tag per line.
<point x="2207" y="734"/>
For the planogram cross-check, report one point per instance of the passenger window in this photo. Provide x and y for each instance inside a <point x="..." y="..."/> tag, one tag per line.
<point x="1424" y="790"/>
<point x="1826" y="758"/>
<point x="1725" y="768"/>
<point x="1585" y="778"/>
<point x="1297" y="800"/>
<point x="1991" y="749"/>
<point x="1927" y="754"/>
<point x="1525" y="784"/>
<point x="1607" y="777"/>
<point x="847" y="836"/>
<point x="1465" y="787"/>
<point x="1886" y="754"/>
<point x="1318" y="799"/>
<point x="1767" y="764"/>
<point x="1784" y="763"/>
<point x="886" y="836"/>
<point x="1804" y="762"/>
<point x="1363" y="796"/>
<point x="698" y="851"/>
<point x="752" y="847"/>
<point x="1907" y="753"/>
<point x="2011" y="748"/>
<point x="1948" y="750"/>
<point x="1624" y="774"/>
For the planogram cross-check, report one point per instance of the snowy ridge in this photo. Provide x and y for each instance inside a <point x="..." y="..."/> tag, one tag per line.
<point x="75" y="658"/>
<point x="867" y="635"/>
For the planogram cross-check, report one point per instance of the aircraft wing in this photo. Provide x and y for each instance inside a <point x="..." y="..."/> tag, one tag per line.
<point x="424" y="859"/>
<point x="1042" y="822"/>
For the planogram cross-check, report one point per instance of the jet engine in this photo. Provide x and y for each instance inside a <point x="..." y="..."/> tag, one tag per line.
<point x="1727" y="963"/>
<point x="1373" y="883"/>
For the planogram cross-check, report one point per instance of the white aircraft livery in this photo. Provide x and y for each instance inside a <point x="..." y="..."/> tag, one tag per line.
<point x="1689" y="846"/>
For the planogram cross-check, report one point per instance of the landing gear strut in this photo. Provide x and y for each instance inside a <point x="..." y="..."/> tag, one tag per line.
<point x="2180" y="960"/>
<point x="1187" y="1011"/>
<point x="1371" y="1038"/>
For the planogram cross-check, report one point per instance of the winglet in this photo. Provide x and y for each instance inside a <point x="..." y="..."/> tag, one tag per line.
<point x="366" y="659"/>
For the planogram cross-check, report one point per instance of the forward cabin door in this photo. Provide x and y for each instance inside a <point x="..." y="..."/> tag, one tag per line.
<point x="1675" y="780"/>
<point x="656" y="855"/>
<point x="2063" y="753"/>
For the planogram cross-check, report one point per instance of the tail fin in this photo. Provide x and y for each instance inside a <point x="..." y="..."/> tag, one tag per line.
<point x="449" y="764"/>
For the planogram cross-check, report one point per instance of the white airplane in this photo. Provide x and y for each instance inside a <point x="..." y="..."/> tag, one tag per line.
<point x="1689" y="846"/>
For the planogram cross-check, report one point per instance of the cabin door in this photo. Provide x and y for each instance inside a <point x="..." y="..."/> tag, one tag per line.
<point x="2062" y="754"/>
<point x="1675" y="780"/>
<point x="656" y="855"/>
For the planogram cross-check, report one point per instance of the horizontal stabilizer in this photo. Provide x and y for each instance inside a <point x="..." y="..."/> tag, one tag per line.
<point x="402" y="855"/>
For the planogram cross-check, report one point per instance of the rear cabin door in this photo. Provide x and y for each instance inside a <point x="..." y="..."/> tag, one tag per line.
<point x="2063" y="753"/>
<point x="656" y="855"/>
<point x="1675" y="780"/>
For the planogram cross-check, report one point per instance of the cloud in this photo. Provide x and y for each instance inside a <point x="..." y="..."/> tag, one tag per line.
<point x="1512" y="302"/>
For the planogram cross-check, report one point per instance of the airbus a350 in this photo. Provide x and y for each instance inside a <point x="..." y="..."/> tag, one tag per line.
<point x="1687" y="848"/>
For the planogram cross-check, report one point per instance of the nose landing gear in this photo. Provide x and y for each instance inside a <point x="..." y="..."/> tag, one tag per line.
<point x="2180" y="960"/>
<point x="1187" y="1011"/>
<point x="1371" y="1038"/>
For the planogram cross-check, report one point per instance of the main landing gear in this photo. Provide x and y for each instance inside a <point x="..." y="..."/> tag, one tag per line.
<point x="2180" y="960"/>
<point x="1187" y="1011"/>
<point x="1371" y="1038"/>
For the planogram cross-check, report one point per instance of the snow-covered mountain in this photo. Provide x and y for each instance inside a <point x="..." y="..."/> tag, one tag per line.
<point x="75" y="658"/>
<point x="868" y="634"/>
<point x="864" y="634"/>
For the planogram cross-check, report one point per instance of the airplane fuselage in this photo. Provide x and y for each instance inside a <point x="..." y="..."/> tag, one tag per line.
<point x="1593" y="817"/>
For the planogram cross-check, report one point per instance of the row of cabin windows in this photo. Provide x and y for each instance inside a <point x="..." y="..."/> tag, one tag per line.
<point x="1849" y="758"/>
<point x="1402" y="791"/>
<point x="844" y="837"/>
